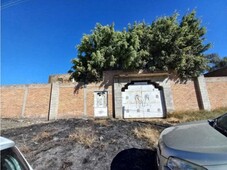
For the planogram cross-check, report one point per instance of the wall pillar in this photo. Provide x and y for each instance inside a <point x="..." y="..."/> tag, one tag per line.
<point x="85" y="100"/>
<point x="117" y="99"/>
<point x="24" y="101"/>
<point x="54" y="101"/>
<point x="168" y="96"/>
<point x="202" y="94"/>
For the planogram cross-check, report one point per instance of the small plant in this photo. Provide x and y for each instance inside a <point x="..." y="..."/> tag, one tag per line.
<point x="83" y="136"/>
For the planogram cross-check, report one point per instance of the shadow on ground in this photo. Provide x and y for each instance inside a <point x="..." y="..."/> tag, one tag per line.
<point x="135" y="159"/>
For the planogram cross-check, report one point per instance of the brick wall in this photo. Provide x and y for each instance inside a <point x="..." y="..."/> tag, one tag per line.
<point x="37" y="103"/>
<point x="33" y="101"/>
<point x="70" y="104"/>
<point x="25" y="101"/>
<point x="12" y="101"/>
<point x="184" y="96"/>
<point x="217" y="90"/>
<point x="80" y="103"/>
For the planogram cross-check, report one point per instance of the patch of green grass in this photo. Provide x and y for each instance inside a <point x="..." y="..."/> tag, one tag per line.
<point x="196" y="115"/>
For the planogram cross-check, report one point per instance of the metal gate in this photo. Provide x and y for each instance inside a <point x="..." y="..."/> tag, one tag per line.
<point x="142" y="100"/>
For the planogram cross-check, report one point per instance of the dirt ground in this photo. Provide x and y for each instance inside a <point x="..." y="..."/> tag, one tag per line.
<point x="86" y="144"/>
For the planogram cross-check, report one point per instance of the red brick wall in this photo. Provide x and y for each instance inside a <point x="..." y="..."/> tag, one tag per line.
<point x="37" y="104"/>
<point x="15" y="103"/>
<point x="217" y="91"/>
<point x="184" y="96"/>
<point x="70" y="104"/>
<point x="12" y="102"/>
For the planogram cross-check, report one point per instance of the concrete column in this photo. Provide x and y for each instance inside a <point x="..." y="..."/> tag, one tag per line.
<point x="202" y="94"/>
<point x="168" y="96"/>
<point x="85" y="100"/>
<point x="54" y="101"/>
<point x="24" y="101"/>
<point x="117" y="100"/>
<point x="118" y="84"/>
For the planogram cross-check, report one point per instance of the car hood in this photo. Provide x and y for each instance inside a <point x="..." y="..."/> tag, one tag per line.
<point x="197" y="142"/>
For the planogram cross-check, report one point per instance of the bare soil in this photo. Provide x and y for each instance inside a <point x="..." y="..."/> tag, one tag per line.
<point x="84" y="144"/>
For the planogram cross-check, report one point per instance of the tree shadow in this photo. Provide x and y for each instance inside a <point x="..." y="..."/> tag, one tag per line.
<point x="105" y="83"/>
<point x="78" y="86"/>
<point x="135" y="159"/>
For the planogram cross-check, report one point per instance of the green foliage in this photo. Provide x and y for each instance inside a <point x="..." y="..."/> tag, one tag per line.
<point x="215" y="62"/>
<point x="164" y="45"/>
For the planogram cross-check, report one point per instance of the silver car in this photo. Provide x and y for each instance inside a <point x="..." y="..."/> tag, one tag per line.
<point x="194" y="146"/>
<point x="11" y="157"/>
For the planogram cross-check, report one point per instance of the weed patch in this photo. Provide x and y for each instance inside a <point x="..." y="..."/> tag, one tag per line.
<point x="150" y="134"/>
<point x="83" y="136"/>
<point x="42" y="136"/>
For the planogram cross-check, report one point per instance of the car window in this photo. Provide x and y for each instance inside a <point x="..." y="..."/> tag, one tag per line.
<point x="11" y="159"/>
<point x="222" y="122"/>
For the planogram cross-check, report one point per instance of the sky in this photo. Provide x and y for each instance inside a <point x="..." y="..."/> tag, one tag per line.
<point x="39" y="37"/>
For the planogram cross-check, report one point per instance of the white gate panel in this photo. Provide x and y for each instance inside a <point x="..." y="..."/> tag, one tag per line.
<point x="100" y="104"/>
<point x="142" y="101"/>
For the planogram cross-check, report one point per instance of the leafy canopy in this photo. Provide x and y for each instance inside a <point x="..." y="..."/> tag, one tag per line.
<point x="164" y="45"/>
<point x="215" y="61"/>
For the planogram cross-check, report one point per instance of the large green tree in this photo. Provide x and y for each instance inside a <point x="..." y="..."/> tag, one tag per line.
<point x="165" y="45"/>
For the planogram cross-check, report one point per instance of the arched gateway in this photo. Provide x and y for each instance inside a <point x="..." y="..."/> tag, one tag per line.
<point x="142" y="99"/>
<point x="142" y="95"/>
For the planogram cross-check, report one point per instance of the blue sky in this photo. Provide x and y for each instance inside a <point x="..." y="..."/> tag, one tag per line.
<point x="38" y="37"/>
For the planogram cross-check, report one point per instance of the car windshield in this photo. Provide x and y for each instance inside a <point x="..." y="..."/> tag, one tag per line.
<point x="221" y="124"/>
<point x="11" y="159"/>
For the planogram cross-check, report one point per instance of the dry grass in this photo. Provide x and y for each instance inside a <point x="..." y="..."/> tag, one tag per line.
<point x="42" y="136"/>
<point x="83" y="136"/>
<point x="101" y="122"/>
<point x="25" y="149"/>
<point x="150" y="134"/>
<point x="179" y="117"/>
